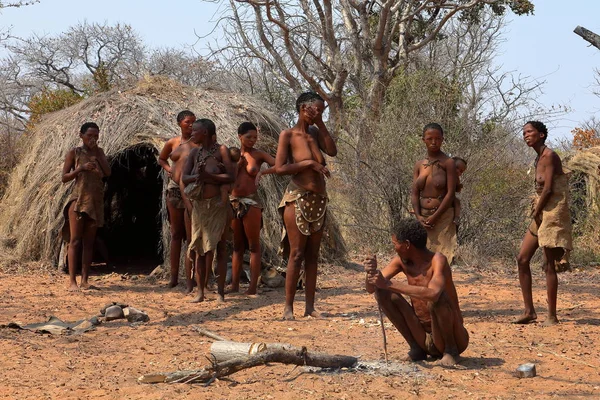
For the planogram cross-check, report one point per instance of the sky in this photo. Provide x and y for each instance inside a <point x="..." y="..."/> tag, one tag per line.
<point x="541" y="47"/>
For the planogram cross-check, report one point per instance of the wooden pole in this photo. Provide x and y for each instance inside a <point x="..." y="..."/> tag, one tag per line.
<point x="385" y="352"/>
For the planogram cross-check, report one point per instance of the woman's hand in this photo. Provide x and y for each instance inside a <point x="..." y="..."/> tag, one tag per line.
<point x="321" y="169"/>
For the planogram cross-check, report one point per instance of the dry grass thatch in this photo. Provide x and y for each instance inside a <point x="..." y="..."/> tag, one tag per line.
<point x="588" y="162"/>
<point x="31" y="209"/>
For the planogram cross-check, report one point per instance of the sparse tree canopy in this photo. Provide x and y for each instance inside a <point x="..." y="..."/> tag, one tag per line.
<point x="346" y="46"/>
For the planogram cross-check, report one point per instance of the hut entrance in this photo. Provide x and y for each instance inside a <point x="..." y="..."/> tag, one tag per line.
<point x="132" y="202"/>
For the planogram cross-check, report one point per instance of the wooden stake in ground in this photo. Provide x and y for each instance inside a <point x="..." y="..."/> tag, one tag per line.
<point x="385" y="352"/>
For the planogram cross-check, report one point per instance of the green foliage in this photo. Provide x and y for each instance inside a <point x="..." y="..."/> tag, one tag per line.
<point x="50" y="100"/>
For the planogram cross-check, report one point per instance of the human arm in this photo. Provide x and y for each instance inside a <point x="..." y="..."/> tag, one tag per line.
<point x="391" y="270"/>
<point x="187" y="175"/>
<point x="163" y="157"/>
<point x="70" y="172"/>
<point x="414" y="195"/>
<point x="550" y="165"/>
<point x="268" y="159"/>
<point x="103" y="162"/>
<point x="429" y="293"/>
<point x="324" y="138"/>
<point x="448" y="199"/>
<point x="282" y="167"/>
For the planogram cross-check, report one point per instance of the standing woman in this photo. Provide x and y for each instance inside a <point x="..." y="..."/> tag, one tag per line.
<point x="433" y="190"/>
<point x="550" y="226"/>
<point x="247" y="210"/>
<point x="84" y="212"/>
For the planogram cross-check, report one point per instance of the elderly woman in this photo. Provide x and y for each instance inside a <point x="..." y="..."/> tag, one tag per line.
<point x="247" y="209"/>
<point x="433" y="190"/>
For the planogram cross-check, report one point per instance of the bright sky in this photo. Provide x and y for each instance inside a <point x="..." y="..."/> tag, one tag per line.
<point x="542" y="46"/>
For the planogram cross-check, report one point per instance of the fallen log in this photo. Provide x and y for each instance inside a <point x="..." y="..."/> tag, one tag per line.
<point x="218" y="370"/>
<point x="223" y="350"/>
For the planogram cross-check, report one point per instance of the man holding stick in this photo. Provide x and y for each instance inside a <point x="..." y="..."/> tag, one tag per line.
<point x="433" y="323"/>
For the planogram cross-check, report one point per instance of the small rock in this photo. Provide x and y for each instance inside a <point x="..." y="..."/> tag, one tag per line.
<point x="135" y="315"/>
<point x="526" y="371"/>
<point x="113" y="312"/>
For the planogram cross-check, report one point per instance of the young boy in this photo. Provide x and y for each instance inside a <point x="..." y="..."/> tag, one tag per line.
<point x="432" y="323"/>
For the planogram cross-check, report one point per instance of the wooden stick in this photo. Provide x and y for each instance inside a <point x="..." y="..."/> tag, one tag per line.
<point x="207" y="333"/>
<point x="385" y="352"/>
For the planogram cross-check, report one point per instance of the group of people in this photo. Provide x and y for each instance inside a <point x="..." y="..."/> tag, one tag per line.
<point x="213" y="188"/>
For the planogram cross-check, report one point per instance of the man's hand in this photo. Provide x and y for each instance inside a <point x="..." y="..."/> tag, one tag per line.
<point x="370" y="264"/>
<point x="377" y="280"/>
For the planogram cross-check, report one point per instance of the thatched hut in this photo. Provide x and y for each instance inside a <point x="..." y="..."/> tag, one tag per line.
<point x="134" y="125"/>
<point x="587" y="162"/>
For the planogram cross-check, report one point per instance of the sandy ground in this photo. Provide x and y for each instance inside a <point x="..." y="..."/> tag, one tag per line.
<point x="105" y="363"/>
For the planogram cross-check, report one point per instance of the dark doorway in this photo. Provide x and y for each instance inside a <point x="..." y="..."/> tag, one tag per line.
<point x="133" y="227"/>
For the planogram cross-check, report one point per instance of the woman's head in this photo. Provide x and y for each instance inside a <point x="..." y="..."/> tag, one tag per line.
<point x="433" y="136"/>
<point x="309" y="105"/>
<point x="248" y="134"/>
<point x="89" y="133"/>
<point x="185" y="119"/>
<point x="534" y="132"/>
<point x="202" y="129"/>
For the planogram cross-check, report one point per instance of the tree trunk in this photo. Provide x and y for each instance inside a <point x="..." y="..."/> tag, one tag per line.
<point x="588" y="36"/>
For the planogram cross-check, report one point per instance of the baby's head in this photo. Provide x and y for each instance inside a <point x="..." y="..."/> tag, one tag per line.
<point x="461" y="165"/>
<point x="234" y="154"/>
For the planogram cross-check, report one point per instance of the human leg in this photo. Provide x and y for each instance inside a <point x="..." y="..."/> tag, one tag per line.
<point x="311" y="256"/>
<point x="251" y="225"/>
<point x="403" y="316"/>
<point x="200" y="276"/>
<point x="177" y="223"/>
<point x="449" y="335"/>
<point x="221" y="268"/>
<point x="89" y="237"/>
<point x="551" y="257"/>
<point x="239" y="248"/>
<point x="76" y="227"/>
<point x="528" y="248"/>
<point x="297" y="242"/>
<point x="191" y="258"/>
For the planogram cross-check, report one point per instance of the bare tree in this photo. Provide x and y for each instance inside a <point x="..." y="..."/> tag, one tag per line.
<point x="87" y="57"/>
<point x="183" y="66"/>
<point x="345" y="47"/>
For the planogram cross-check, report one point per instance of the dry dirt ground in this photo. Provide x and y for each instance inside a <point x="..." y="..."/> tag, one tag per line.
<point x="105" y="363"/>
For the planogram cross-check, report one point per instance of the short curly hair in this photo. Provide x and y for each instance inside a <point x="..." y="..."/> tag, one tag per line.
<point x="540" y="127"/>
<point x="307" y="98"/>
<point x="87" y="126"/>
<point x="183" y="114"/>
<point x="410" y="229"/>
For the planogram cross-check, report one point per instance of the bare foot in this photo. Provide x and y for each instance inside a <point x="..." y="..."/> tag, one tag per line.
<point x="251" y="292"/>
<point x="415" y="355"/>
<point x="525" y="319"/>
<point x="172" y="284"/>
<point x="189" y="287"/>
<point x="314" y="313"/>
<point x="87" y="286"/>
<point x="73" y="287"/>
<point x="288" y="314"/>
<point x="232" y="289"/>
<point x="551" y="321"/>
<point x="220" y="298"/>
<point x="448" y="360"/>
<point x="198" y="299"/>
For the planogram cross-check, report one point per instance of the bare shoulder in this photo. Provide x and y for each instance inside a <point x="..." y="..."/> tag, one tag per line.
<point x="439" y="262"/>
<point x="286" y="133"/>
<point x="449" y="163"/>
